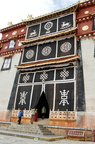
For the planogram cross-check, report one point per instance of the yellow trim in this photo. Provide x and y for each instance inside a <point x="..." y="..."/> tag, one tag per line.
<point x="48" y="36"/>
<point x="47" y="62"/>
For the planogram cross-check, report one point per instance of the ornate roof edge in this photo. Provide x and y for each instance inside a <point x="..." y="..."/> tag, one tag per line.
<point x="26" y="22"/>
<point x="86" y="3"/>
<point x="11" y="52"/>
<point x="88" y="34"/>
<point x="75" y="6"/>
<point x="14" y="26"/>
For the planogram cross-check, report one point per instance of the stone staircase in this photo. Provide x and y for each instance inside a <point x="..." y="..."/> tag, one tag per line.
<point x="40" y="121"/>
<point x="35" y="128"/>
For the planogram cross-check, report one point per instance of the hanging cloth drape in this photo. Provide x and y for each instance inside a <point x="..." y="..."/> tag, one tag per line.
<point x="36" y="95"/>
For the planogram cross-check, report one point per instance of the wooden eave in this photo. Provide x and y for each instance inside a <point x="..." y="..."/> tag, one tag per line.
<point x="87" y="34"/>
<point x="86" y="18"/>
<point x="55" y="14"/>
<point x="48" y="62"/>
<point x="13" y="38"/>
<point x="51" y="36"/>
<point x="86" y="3"/>
<point x="93" y="15"/>
<point x="42" y="17"/>
<point x="15" y="26"/>
<point x="12" y="51"/>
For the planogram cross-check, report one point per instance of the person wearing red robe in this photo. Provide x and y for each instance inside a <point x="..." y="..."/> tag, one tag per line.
<point x="36" y="115"/>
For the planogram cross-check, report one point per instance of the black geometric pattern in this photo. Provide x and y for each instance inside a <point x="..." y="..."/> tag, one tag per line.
<point x="23" y="97"/>
<point x="50" y="26"/>
<point x="65" y="22"/>
<point x="64" y="96"/>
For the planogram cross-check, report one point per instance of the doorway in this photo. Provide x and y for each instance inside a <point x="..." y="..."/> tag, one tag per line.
<point x="43" y="102"/>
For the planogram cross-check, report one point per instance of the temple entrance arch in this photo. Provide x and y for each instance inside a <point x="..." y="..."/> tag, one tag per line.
<point x="42" y="102"/>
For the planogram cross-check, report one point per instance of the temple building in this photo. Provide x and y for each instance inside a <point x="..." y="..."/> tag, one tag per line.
<point x="50" y="63"/>
<point x="47" y="72"/>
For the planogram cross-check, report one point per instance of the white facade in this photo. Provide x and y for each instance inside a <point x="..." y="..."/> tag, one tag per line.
<point x="6" y="84"/>
<point x="87" y="46"/>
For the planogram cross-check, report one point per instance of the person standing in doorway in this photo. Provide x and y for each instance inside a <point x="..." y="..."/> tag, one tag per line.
<point x="20" y="114"/>
<point x="32" y="115"/>
<point x="36" y="115"/>
<point x="43" y="112"/>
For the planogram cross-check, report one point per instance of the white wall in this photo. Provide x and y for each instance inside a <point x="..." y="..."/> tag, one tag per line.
<point x="6" y="83"/>
<point x="89" y="73"/>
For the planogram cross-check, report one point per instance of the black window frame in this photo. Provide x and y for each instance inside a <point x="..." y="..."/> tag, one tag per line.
<point x="14" y="44"/>
<point x="4" y="63"/>
<point x="93" y="24"/>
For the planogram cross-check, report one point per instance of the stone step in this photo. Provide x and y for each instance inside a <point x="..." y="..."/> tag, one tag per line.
<point x="30" y="129"/>
<point x="44" y="130"/>
<point x="28" y="132"/>
<point x="24" y="130"/>
<point x="42" y="121"/>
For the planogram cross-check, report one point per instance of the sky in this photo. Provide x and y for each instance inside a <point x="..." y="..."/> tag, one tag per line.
<point x="17" y="10"/>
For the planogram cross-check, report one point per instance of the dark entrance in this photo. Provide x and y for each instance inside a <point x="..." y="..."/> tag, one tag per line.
<point x="43" y="102"/>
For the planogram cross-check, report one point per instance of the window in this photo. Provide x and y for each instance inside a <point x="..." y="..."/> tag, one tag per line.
<point x="93" y="24"/>
<point x="6" y="64"/>
<point x="94" y="50"/>
<point x="0" y="36"/>
<point x="12" y="44"/>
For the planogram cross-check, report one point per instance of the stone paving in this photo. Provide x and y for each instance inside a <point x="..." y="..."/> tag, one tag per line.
<point x="4" y="139"/>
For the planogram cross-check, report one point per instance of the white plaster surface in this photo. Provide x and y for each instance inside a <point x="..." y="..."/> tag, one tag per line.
<point x="89" y="72"/>
<point x="6" y="82"/>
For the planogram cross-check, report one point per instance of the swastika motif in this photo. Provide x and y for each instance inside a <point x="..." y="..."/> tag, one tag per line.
<point x="26" y="78"/>
<point x="65" y="47"/>
<point x="64" y="74"/>
<point x="29" y="54"/>
<point x="43" y="76"/>
<point x="46" y="50"/>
